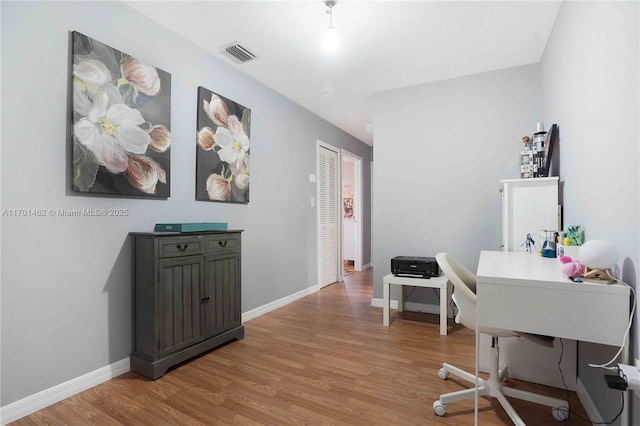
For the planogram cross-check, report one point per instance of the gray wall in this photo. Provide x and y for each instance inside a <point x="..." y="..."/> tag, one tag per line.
<point x="66" y="280"/>
<point x="441" y="149"/>
<point x="590" y="74"/>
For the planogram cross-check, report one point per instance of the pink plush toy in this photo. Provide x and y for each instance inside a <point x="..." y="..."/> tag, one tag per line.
<point x="571" y="268"/>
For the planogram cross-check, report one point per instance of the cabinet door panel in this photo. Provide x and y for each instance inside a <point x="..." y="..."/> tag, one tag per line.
<point x="222" y="286"/>
<point x="181" y="322"/>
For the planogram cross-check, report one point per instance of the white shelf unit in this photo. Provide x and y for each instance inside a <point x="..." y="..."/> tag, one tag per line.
<point x="528" y="207"/>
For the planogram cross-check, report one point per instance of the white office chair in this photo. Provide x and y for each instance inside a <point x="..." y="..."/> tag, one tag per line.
<point x="464" y="296"/>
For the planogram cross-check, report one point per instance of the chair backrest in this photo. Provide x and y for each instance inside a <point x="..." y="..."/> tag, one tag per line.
<point x="464" y="284"/>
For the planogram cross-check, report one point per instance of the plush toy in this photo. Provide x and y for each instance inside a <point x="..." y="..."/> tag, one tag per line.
<point x="571" y="268"/>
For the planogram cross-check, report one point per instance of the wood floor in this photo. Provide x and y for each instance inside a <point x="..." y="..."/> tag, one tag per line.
<point x="325" y="359"/>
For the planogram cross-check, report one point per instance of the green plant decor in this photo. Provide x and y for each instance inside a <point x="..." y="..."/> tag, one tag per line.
<point x="575" y="235"/>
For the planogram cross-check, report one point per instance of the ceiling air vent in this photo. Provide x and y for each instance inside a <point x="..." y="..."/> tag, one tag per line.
<point x="237" y="53"/>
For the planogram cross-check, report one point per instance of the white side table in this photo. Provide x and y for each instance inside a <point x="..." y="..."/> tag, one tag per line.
<point x="440" y="282"/>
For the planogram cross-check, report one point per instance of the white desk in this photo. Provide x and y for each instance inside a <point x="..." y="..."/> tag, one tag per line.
<point x="525" y="292"/>
<point x="440" y="282"/>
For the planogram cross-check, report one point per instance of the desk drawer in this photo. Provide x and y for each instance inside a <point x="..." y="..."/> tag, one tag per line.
<point x="181" y="246"/>
<point x="223" y="242"/>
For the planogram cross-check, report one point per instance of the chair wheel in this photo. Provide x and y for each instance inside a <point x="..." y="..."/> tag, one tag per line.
<point x="443" y="374"/>
<point x="439" y="408"/>
<point x="561" y="414"/>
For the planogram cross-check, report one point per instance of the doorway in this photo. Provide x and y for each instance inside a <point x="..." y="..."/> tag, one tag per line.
<point x="339" y="199"/>
<point x="351" y="178"/>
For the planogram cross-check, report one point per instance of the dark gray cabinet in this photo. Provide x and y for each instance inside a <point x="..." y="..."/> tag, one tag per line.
<point x="186" y="297"/>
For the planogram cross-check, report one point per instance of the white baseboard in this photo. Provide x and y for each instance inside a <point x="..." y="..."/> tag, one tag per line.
<point x="587" y="403"/>
<point x="379" y="303"/>
<point x="365" y="267"/>
<point x="411" y="306"/>
<point x="261" y="310"/>
<point x="15" y="410"/>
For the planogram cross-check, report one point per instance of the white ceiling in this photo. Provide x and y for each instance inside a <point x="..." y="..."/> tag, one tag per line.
<point x="385" y="44"/>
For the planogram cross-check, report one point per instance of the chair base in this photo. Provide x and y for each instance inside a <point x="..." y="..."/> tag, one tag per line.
<point x="493" y="387"/>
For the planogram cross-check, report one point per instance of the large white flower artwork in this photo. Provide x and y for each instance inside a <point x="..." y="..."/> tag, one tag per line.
<point x="121" y="122"/>
<point x="222" y="152"/>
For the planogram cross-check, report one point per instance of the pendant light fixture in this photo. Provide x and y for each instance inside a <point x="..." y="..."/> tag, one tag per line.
<point x="330" y="38"/>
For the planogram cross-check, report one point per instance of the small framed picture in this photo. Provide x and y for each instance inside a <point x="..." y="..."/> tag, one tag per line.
<point x="348" y="208"/>
<point x="526" y="158"/>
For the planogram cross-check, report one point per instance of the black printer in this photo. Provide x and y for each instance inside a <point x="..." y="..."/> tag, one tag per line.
<point x="416" y="267"/>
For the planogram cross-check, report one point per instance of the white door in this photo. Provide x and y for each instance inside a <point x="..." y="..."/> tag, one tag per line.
<point x="328" y="254"/>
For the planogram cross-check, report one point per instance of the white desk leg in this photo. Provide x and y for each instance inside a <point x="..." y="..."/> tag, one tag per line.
<point x="443" y="309"/>
<point x="449" y="295"/>
<point x="385" y="304"/>
<point x="475" y="414"/>
<point x="624" y="417"/>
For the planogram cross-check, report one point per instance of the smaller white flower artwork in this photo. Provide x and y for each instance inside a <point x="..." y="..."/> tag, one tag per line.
<point x="121" y="122"/>
<point x="222" y="151"/>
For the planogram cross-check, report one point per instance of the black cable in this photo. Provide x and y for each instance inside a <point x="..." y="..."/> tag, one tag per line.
<point x="410" y="293"/>
<point x="452" y="304"/>
<point x="413" y="289"/>
<point x="568" y="392"/>
<point x="436" y="292"/>
<point x="603" y="423"/>
<point x="560" y="366"/>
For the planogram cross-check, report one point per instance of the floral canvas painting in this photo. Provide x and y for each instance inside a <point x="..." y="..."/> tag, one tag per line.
<point x="121" y="122"/>
<point x="222" y="151"/>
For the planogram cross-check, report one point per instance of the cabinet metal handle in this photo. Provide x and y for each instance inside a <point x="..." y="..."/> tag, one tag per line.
<point x="205" y="299"/>
<point x="222" y="243"/>
<point x="182" y="247"/>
